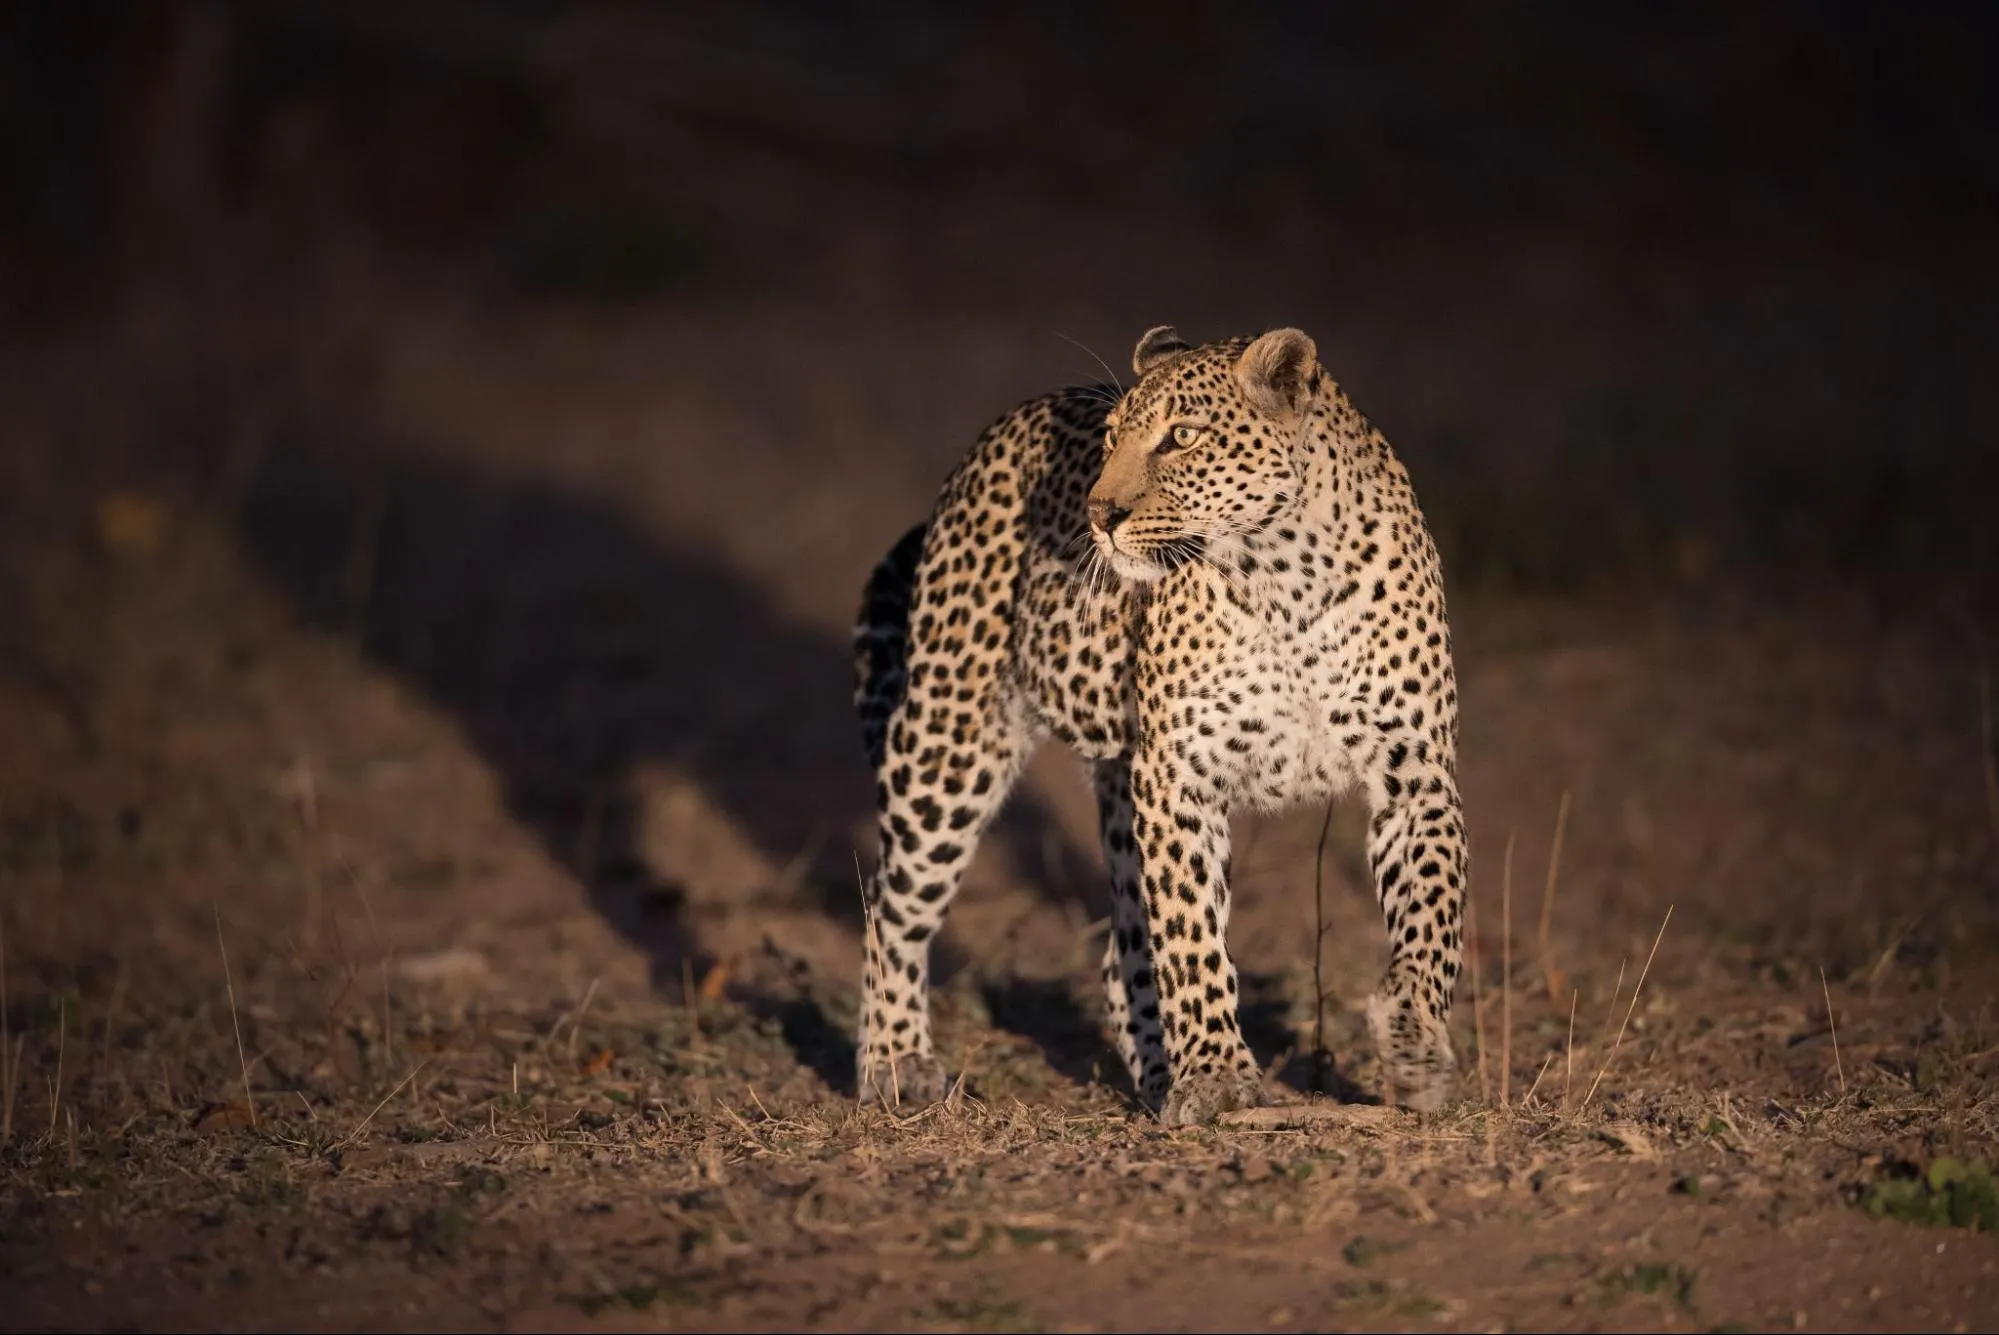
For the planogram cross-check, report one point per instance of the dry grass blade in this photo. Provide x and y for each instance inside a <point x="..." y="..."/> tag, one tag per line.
<point x="575" y="1020"/>
<point x="55" y="1084"/>
<point x="1549" y="972"/>
<point x="1569" y="1063"/>
<point x="1896" y="936"/>
<point x="1636" y="988"/>
<point x="351" y="1136"/>
<point x="229" y="986"/>
<point x="873" y="949"/>
<point x="1320" y="1059"/>
<point x="1546" y="1062"/>
<point x="1610" y="1012"/>
<point x="1838" y="1065"/>
<point x="1477" y="998"/>
<point x="1506" y="977"/>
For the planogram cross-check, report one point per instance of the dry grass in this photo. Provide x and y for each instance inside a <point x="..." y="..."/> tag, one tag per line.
<point x="703" y="1117"/>
<point x="1636" y="990"/>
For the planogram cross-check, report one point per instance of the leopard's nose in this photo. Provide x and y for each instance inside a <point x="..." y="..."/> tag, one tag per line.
<point x="1107" y="515"/>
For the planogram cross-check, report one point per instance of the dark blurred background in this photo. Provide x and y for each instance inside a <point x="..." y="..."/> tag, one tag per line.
<point x="1699" y="286"/>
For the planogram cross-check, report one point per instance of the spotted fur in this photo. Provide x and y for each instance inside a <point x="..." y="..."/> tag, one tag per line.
<point x="1217" y="588"/>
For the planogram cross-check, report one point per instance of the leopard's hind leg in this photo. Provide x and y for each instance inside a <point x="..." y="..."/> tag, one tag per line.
<point x="945" y="756"/>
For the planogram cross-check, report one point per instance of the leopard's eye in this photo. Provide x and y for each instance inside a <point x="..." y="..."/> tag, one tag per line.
<point x="1179" y="438"/>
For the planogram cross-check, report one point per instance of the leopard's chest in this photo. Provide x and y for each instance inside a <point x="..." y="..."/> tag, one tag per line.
<point x="1252" y="702"/>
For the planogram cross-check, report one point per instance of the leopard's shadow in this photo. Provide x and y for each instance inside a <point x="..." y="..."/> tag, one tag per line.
<point x="572" y="648"/>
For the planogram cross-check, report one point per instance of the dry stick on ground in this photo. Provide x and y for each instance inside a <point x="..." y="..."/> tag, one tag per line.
<point x="1832" y="1024"/>
<point x="1636" y="988"/>
<point x="229" y="986"/>
<point x="1549" y="972"/>
<point x="1320" y="1058"/>
<point x="1506" y="978"/>
<point x="1477" y="997"/>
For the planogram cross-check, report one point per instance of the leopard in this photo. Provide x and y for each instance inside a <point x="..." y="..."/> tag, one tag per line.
<point x="1216" y="587"/>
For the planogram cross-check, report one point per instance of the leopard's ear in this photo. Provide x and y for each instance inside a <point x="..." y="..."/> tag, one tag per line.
<point x="1277" y="371"/>
<point x="1160" y="344"/>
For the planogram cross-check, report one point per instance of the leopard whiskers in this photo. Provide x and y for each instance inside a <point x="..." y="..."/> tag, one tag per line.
<point x="1093" y="354"/>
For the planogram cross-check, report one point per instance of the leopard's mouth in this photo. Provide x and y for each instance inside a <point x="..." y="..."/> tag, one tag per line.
<point x="1141" y="563"/>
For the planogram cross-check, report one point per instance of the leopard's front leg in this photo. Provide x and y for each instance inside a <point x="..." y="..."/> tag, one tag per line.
<point x="1417" y="849"/>
<point x="1179" y="823"/>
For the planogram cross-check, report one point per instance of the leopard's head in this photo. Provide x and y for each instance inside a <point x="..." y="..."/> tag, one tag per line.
<point x="1203" y="450"/>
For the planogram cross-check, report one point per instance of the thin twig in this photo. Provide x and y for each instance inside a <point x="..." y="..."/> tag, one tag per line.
<point x="1638" y="987"/>
<point x="1320" y="1058"/>
<point x="1832" y="1024"/>
<point x="1506" y="978"/>
<point x="1477" y="998"/>
<point x="229" y="986"/>
<point x="1549" y="972"/>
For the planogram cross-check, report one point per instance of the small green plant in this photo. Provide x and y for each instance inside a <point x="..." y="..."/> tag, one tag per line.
<point x="1954" y="1193"/>
<point x="1363" y="1250"/>
<point x="1380" y="1298"/>
<point x="641" y="1296"/>
<point x="1650" y="1278"/>
<point x="985" y="1310"/>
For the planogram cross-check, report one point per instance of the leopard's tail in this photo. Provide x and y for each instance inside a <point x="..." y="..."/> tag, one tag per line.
<point x="881" y="641"/>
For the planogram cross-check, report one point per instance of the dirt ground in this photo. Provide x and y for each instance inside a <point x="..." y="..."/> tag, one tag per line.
<point x="430" y="810"/>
